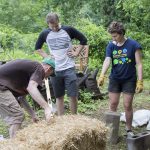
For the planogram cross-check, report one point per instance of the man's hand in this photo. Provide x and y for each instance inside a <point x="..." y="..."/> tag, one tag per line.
<point x="48" y="114"/>
<point x="101" y="80"/>
<point x="139" y="86"/>
<point x="72" y="53"/>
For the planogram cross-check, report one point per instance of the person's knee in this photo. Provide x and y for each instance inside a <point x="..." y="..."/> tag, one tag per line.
<point x="128" y="107"/>
<point x="74" y="99"/>
<point x="113" y="105"/>
<point x="60" y="99"/>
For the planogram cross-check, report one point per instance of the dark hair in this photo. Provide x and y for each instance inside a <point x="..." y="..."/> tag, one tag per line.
<point x="116" y="27"/>
<point x="52" y="18"/>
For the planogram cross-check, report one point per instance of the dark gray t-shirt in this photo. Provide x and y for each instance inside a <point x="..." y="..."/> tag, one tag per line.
<point x="15" y="75"/>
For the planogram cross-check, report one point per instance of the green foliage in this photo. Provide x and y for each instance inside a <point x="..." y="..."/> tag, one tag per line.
<point x="135" y="7"/>
<point x="95" y="63"/>
<point x="86" y="103"/>
<point x="23" y="15"/>
<point x="20" y="20"/>
<point x="18" y="54"/>
<point x="9" y="37"/>
<point x="144" y="40"/>
<point x="69" y="10"/>
<point x="146" y="68"/>
<point x="105" y="11"/>
<point x="97" y="37"/>
<point x="12" y="40"/>
<point x="29" y="16"/>
<point x="3" y="129"/>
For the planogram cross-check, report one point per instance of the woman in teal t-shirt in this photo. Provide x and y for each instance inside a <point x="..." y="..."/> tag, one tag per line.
<point x="124" y="54"/>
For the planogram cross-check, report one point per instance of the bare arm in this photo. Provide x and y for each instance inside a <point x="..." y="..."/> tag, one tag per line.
<point x="26" y="106"/>
<point x="36" y="95"/>
<point x="138" y="59"/>
<point x="78" y="50"/>
<point x="72" y="53"/>
<point x="106" y="65"/>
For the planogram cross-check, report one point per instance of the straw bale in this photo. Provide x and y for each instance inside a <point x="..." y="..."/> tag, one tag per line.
<point x="70" y="132"/>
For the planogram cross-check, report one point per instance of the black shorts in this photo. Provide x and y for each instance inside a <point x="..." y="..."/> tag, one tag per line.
<point x="116" y="86"/>
<point x="65" y="80"/>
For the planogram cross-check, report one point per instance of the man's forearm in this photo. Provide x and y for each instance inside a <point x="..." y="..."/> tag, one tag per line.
<point x="36" y="95"/>
<point x="26" y="106"/>
<point x="138" y="58"/>
<point x="79" y="48"/>
<point x="106" y="65"/>
<point x="140" y="71"/>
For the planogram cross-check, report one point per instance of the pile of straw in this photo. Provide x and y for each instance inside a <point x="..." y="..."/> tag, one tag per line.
<point x="71" y="132"/>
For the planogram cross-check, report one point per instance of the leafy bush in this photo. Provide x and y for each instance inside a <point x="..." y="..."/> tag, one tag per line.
<point x="86" y="103"/>
<point x="10" y="40"/>
<point x="18" y="45"/>
<point x="9" y="37"/>
<point x="18" y="54"/>
<point x="144" y="40"/>
<point x="97" y="36"/>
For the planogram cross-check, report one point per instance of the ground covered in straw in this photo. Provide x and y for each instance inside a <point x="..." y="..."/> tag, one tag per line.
<point x="64" y="133"/>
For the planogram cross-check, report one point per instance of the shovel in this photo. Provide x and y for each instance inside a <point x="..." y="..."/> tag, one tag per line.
<point x="48" y="93"/>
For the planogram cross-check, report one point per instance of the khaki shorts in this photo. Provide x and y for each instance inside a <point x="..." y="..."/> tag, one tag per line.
<point x="10" y="110"/>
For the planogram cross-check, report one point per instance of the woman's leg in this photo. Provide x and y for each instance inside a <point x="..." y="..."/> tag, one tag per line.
<point x="113" y="101"/>
<point x="127" y="101"/>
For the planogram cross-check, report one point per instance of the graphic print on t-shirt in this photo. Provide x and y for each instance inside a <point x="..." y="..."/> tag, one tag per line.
<point x="120" y="57"/>
<point x="59" y="43"/>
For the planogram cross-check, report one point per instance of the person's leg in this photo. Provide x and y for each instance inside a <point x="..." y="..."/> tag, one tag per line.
<point x="13" y="129"/>
<point x="128" y="89"/>
<point x="72" y="89"/>
<point x="128" y="99"/>
<point x="114" y="89"/>
<point x="59" y="92"/>
<point x="60" y="105"/>
<point x="73" y="105"/>
<point x="11" y="112"/>
<point x="113" y="101"/>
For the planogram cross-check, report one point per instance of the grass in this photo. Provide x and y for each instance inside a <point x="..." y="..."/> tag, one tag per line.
<point x="3" y="129"/>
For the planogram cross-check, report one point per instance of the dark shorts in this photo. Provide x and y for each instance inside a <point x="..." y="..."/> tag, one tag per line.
<point x="116" y="86"/>
<point x="65" y="80"/>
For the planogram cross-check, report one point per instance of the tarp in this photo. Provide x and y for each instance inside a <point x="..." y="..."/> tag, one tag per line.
<point x="140" y="118"/>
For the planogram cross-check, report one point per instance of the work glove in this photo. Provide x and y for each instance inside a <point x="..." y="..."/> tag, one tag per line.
<point x="139" y="86"/>
<point x="101" y="80"/>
